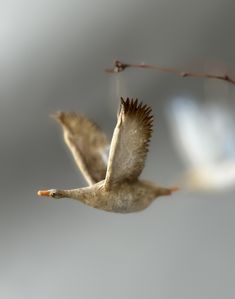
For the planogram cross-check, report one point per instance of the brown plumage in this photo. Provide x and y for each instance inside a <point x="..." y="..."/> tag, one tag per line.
<point x="87" y="143"/>
<point x="114" y="186"/>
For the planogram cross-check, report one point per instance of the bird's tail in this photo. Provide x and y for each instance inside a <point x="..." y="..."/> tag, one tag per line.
<point x="161" y="191"/>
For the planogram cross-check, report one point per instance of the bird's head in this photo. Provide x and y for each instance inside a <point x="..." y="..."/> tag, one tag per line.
<point x="54" y="193"/>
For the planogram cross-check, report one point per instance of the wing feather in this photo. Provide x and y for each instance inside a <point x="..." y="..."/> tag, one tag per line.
<point x="87" y="143"/>
<point x="129" y="144"/>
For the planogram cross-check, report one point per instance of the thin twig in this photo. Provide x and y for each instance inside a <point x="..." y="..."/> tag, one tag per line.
<point x="121" y="66"/>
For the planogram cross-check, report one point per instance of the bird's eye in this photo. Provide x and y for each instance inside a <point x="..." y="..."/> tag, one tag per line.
<point x="53" y="194"/>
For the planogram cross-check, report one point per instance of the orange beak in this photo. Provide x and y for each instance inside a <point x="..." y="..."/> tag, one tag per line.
<point x="43" y="193"/>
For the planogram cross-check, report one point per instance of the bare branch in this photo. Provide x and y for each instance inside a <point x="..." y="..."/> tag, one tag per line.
<point x="121" y="66"/>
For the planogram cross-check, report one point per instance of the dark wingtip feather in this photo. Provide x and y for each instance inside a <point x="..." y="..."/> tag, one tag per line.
<point x="135" y="108"/>
<point x="143" y="113"/>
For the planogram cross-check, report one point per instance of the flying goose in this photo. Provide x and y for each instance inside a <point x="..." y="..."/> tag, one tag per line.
<point x="114" y="183"/>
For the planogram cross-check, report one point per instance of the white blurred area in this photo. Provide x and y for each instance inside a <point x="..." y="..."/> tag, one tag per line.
<point x="204" y="135"/>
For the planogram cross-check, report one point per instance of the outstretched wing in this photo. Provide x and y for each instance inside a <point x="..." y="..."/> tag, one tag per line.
<point x="129" y="144"/>
<point x="87" y="143"/>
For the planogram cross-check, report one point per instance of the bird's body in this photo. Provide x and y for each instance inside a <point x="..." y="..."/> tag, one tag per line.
<point x="113" y="186"/>
<point x="125" y="198"/>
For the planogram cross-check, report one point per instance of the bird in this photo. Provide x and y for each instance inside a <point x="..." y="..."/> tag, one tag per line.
<point x="111" y="170"/>
<point x="205" y="138"/>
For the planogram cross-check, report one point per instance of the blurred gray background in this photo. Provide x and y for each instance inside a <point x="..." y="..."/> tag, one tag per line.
<point x="52" y="57"/>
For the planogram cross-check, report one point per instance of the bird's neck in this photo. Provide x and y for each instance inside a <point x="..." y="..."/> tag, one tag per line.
<point x="81" y="194"/>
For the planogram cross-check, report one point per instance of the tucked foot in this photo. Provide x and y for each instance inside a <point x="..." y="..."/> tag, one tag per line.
<point x="174" y="189"/>
<point x="161" y="191"/>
